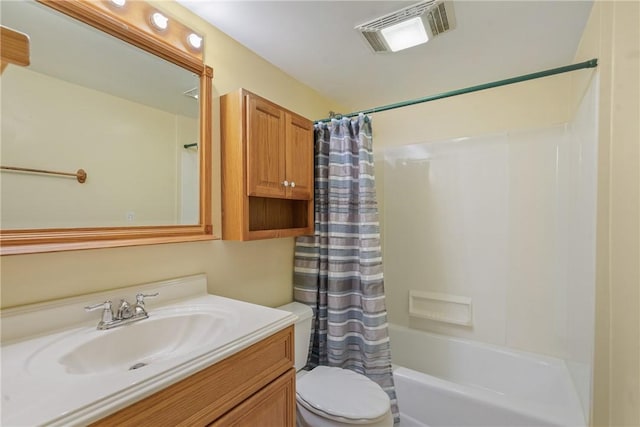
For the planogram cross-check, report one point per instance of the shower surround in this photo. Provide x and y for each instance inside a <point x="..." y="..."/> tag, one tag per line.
<point x="508" y="220"/>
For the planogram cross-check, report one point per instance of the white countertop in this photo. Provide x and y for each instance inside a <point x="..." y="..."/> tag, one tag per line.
<point x="36" y="393"/>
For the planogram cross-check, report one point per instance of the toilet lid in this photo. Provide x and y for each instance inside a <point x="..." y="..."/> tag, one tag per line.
<point x="342" y="394"/>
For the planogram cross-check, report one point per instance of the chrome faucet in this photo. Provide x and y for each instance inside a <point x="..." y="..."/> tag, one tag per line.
<point x="124" y="311"/>
<point x="124" y="315"/>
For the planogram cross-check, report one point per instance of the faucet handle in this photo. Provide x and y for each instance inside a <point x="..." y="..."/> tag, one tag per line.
<point x="104" y="305"/>
<point x="139" y="308"/>
<point x="107" y="311"/>
<point x="140" y="297"/>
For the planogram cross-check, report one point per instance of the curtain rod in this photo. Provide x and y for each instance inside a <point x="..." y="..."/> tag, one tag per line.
<point x="592" y="63"/>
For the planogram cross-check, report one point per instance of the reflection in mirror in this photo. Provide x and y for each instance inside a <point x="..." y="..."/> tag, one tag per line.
<point x="90" y="101"/>
<point x="132" y="143"/>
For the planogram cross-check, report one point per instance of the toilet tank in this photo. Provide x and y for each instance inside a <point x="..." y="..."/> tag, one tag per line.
<point x="302" y="331"/>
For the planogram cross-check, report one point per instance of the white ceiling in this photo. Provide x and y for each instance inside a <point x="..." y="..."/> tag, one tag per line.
<point x="314" y="41"/>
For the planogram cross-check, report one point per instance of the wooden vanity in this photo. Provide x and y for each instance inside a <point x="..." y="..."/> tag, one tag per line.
<point x="255" y="386"/>
<point x="199" y="359"/>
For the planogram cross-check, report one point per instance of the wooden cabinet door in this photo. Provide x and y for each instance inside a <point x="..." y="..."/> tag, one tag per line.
<point x="273" y="406"/>
<point x="299" y="157"/>
<point x="265" y="149"/>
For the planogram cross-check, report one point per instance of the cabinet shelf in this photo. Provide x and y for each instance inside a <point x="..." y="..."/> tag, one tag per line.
<point x="273" y="214"/>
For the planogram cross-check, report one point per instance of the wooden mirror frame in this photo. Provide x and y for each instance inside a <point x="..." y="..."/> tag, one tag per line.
<point x="131" y="25"/>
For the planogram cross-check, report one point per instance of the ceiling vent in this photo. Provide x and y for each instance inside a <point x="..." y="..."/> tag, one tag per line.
<point x="437" y="17"/>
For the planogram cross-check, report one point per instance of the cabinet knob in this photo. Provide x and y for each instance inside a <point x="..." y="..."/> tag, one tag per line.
<point x="285" y="183"/>
<point x="293" y="184"/>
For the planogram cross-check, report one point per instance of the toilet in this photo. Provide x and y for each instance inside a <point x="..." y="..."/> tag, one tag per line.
<point x="333" y="397"/>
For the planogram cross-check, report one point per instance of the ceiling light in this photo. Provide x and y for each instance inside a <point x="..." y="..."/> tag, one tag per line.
<point x="195" y="41"/>
<point x="409" y="26"/>
<point x="405" y="34"/>
<point x="159" y="21"/>
<point x="119" y="3"/>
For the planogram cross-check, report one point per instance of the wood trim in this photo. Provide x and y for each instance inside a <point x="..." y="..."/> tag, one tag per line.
<point x="14" y="242"/>
<point x="207" y="395"/>
<point x="101" y="244"/>
<point x="233" y="157"/>
<point x="206" y="156"/>
<point x="284" y="232"/>
<point x="311" y="218"/>
<point x="99" y="15"/>
<point x="14" y="47"/>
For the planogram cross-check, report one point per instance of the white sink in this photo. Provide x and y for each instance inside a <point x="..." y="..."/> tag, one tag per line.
<point x="165" y="335"/>
<point x="58" y="369"/>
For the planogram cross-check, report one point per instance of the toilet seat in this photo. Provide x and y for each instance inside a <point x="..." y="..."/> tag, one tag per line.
<point x="342" y="395"/>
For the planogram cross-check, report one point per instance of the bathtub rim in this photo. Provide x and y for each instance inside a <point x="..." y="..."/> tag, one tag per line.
<point x="497" y="398"/>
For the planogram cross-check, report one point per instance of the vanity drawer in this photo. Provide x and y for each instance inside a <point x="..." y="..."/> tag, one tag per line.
<point x="207" y="395"/>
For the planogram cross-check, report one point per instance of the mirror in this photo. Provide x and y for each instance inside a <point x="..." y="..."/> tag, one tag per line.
<point x="105" y="137"/>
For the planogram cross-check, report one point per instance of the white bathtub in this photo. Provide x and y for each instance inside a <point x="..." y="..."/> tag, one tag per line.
<point x="444" y="381"/>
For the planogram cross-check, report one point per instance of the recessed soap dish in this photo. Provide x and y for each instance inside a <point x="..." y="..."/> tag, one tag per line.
<point x="440" y="307"/>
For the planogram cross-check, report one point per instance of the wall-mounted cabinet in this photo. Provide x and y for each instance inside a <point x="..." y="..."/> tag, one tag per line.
<point x="267" y="169"/>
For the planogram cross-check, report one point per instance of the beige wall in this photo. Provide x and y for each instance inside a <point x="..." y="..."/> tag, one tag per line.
<point x="540" y="103"/>
<point x="612" y="36"/>
<point x="253" y="271"/>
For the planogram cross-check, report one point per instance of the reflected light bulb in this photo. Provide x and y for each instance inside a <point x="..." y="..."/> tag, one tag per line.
<point x="119" y="3"/>
<point x="195" y="41"/>
<point x="159" y="21"/>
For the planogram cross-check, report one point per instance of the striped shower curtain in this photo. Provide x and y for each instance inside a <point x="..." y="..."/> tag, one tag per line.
<point x="338" y="270"/>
